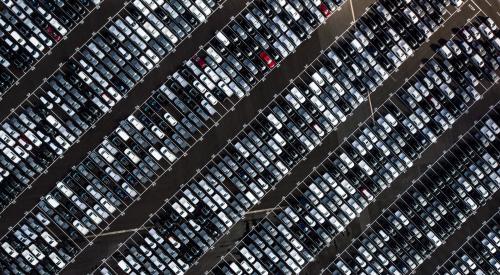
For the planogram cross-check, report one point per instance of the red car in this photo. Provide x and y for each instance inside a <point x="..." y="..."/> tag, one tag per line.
<point x="267" y="59"/>
<point x="324" y="10"/>
<point x="200" y="61"/>
<point x="53" y="33"/>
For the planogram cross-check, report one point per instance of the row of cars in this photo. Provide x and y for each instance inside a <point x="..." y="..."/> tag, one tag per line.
<point x="337" y="192"/>
<point x="113" y="175"/>
<point x="434" y="207"/>
<point x="75" y="100"/>
<point x="257" y="159"/>
<point x="79" y="94"/>
<point x="365" y="165"/>
<point x="479" y="255"/>
<point x="29" y="29"/>
<point x="141" y="148"/>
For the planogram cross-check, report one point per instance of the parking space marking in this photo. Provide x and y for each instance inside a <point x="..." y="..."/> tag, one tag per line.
<point x="267" y="105"/>
<point x="387" y="100"/>
<point x="429" y="167"/>
<point x="84" y="132"/>
<point x="247" y="212"/>
<point x="453" y="253"/>
<point x="49" y="51"/>
<point x="127" y="206"/>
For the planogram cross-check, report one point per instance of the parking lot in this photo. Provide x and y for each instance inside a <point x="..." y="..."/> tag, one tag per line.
<point x="257" y="118"/>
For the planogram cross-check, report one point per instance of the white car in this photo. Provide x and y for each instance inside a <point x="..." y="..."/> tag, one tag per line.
<point x="486" y="31"/>
<point x="80" y="227"/>
<point x="170" y="119"/>
<point x="493" y="126"/>
<point x="93" y="216"/>
<point x="56" y="260"/>
<point x="129" y="189"/>
<point x="135" y="122"/>
<point x="168" y="154"/>
<point x="64" y="189"/>
<point x="132" y="156"/>
<point x="110" y="208"/>
<point x="30" y="258"/>
<point x="9" y="249"/>
<point x="36" y="252"/>
<point x="49" y="239"/>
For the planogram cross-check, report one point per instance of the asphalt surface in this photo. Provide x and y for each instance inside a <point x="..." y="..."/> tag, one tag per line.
<point x="119" y="112"/>
<point x="216" y="138"/>
<point x="344" y="130"/>
<point x="229" y="125"/>
<point x="455" y="241"/>
<point x="60" y="53"/>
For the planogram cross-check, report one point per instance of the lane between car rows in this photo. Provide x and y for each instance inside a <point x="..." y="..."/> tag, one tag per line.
<point x="93" y="137"/>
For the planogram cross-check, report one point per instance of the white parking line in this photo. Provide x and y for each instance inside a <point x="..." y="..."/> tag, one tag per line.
<point x="306" y="68"/>
<point x="485" y="224"/>
<point x="93" y="125"/>
<point x="430" y="166"/>
<point x="387" y="100"/>
<point x="155" y="181"/>
<point x="296" y="188"/>
<point x="49" y="51"/>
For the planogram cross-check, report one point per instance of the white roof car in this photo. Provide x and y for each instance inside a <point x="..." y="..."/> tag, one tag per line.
<point x="106" y="155"/>
<point x="30" y="258"/>
<point x="107" y="205"/>
<point x="129" y="189"/>
<point x="52" y="201"/>
<point x="492" y="125"/>
<point x="445" y="52"/>
<point x="276" y="123"/>
<point x="49" y="239"/>
<point x="133" y="157"/>
<point x="213" y="54"/>
<point x="158" y="132"/>
<point x="135" y="122"/>
<point x="124" y="266"/>
<point x="93" y="216"/>
<point x="36" y="252"/>
<point x="411" y="15"/>
<point x="64" y="189"/>
<point x="156" y="155"/>
<point x="123" y="135"/>
<point x="170" y="119"/>
<point x="168" y="154"/>
<point x="9" y="249"/>
<point x="211" y="98"/>
<point x="56" y="260"/>
<point x="80" y="227"/>
<point x="486" y="31"/>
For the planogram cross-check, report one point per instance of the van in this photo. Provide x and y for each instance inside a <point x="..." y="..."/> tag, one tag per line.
<point x="122" y="133"/>
<point x="52" y="201"/>
<point x="279" y="139"/>
<point x="477" y="60"/>
<point x="496" y="43"/>
<point x="445" y="52"/>
<point x="18" y="38"/>
<point x="222" y="38"/>
<point x="357" y="46"/>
